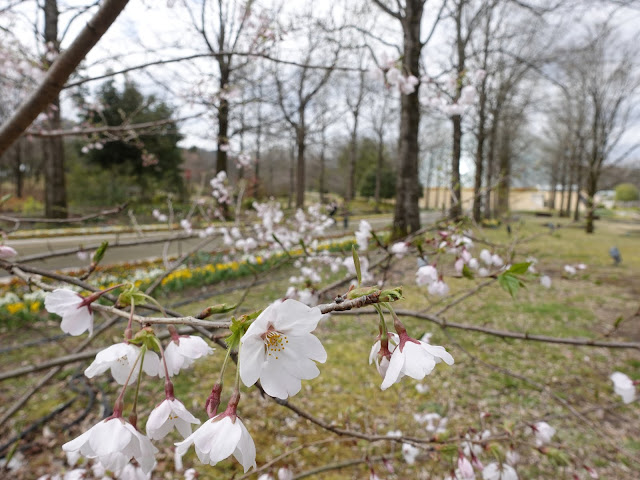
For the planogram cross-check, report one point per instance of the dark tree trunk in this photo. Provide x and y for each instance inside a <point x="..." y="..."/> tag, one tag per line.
<point x="504" y="183"/>
<point x="223" y="120"/>
<point x="321" y="186"/>
<point x="407" y="213"/>
<point x="489" y="194"/>
<point x="455" y="210"/>
<point x="379" y="169"/>
<point x="55" y="185"/>
<point x="17" y="170"/>
<point x="300" y="170"/>
<point x="353" y="158"/>
<point x="477" y="184"/>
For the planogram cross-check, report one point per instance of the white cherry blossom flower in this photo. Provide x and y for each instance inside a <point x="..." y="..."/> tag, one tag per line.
<point x="363" y="235"/>
<point x="413" y="358"/>
<point x="285" y="473"/>
<point x="438" y="288"/>
<point x="543" y="432"/>
<point x="409" y="452"/>
<point x="170" y="413"/>
<point x="486" y="256"/>
<point x="399" y="249"/>
<point x="131" y="472"/>
<point x="623" y="386"/>
<point x="190" y="474"/>
<point x="382" y="358"/>
<point x="7" y="252"/>
<point x="512" y="457"/>
<point x="483" y="272"/>
<point x="77" y="316"/>
<point x="183" y="351"/>
<point x="426" y="275"/>
<point x="465" y="469"/>
<point x="422" y="388"/>
<point x="220" y="437"/>
<point x="120" y="359"/>
<point x="266" y="476"/>
<point x="545" y="281"/>
<point x="114" y="442"/>
<point x="279" y="349"/>
<point x="496" y="260"/>
<point x="570" y="269"/>
<point x="494" y="471"/>
<point x="473" y="264"/>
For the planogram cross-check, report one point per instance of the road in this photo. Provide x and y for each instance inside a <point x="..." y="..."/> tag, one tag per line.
<point x="34" y="246"/>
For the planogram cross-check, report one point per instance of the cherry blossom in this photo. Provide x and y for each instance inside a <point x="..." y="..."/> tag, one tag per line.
<point x="413" y="358"/>
<point x="438" y="288"/>
<point x="170" y="413"/>
<point x="426" y="275"/>
<point x="114" y="442"/>
<point x="486" y="256"/>
<point x="570" y="269"/>
<point x="623" y="386"/>
<point x="399" y="249"/>
<point x="183" y="351"/>
<point x="465" y="469"/>
<point x="409" y="452"/>
<point x="495" y="471"/>
<point x="266" y="476"/>
<point x="279" y="349"/>
<point x="543" y="432"/>
<point x="121" y="359"/>
<point x="363" y="234"/>
<point x="7" y="252"/>
<point x="132" y="472"/>
<point x="76" y="313"/>
<point x="285" y="473"/>
<point x="219" y="438"/>
<point x="545" y="281"/>
<point x="512" y="457"/>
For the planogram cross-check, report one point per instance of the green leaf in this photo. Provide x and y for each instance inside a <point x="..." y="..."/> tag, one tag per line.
<point x="356" y="262"/>
<point x="222" y="308"/>
<point x="97" y="256"/>
<point x="510" y="283"/>
<point x="467" y="273"/>
<point x="5" y="198"/>
<point x="519" y="268"/>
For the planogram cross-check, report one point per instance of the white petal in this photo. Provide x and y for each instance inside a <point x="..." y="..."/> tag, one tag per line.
<point x="76" y="321"/>
<point x="109" y="436"/>
<point x="279" y="384"/>
<point x="157" y="419"/>
<point x="151" y="364"/>
<point x="393" y="372"/>
<point x="251" y="358"/>
<point x="245" y="452"/>
<point x="61" y="300"/>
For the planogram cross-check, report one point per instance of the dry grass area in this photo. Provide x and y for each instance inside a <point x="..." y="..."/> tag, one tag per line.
<point x="496" y="384"/>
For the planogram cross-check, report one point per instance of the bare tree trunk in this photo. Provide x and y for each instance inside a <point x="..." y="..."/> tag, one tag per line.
<point x="379" y="169"/>
<point x="323" y="147"/>
<point x="223" y="131"/>
<point x="17" y="168"/>
<point x="55" y="185"/>
<point x="291" y="175"/>
<point x="493" y="133"/>
<point x="353" y="158"/>
<point x="504" y="183"/>
<point x="456" y="189"/>
<point x="300" y="171"/>
<point x="429" y="177"/>
<point x="407" y="213"/>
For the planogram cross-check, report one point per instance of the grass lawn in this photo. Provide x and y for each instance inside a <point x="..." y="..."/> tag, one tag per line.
<point x="496" y="384"/>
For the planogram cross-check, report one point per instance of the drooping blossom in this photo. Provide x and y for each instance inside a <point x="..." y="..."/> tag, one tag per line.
<point x="220" y="437"/>
<point x="114" y="442"/>
<point x="363" y="234"/>
<point x="280" y="350"/>
<point x="623" y="386"/>
<point x="543" y="432"/>
<point x="465" y="469"/>
<point x="170" y="413"/>
<point x="285" y="473"/>
<point x="495" y="471"/>
<point x="381" y="353"/>
<point x="132" y="472"/>
<point x="76" y="313"/>
<point x="7" y="252"/>
<point x="413" y="358"/>
<point x="399" y="249"/>
<point x="486" y="257"/>
<point x="438" y="288"/>
<point x="120" y="359"/>
<point x="409" y="452"/>
<point x="426" y="275"/>
<point x="183" y="351"/>
<point x="545" y="281"/>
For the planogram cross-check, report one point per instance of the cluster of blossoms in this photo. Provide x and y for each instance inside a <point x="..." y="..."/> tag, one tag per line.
<point x="393" y="77"/>
<point x="276" y="347"/>
<point x="571" y="270"/>
<point x="467" y="96"/>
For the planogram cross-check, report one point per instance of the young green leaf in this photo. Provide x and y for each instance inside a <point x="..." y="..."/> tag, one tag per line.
<point x="356" y="263"/>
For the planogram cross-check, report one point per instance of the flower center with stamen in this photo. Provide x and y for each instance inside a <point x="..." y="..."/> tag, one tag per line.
<point x="274" y="342"/>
